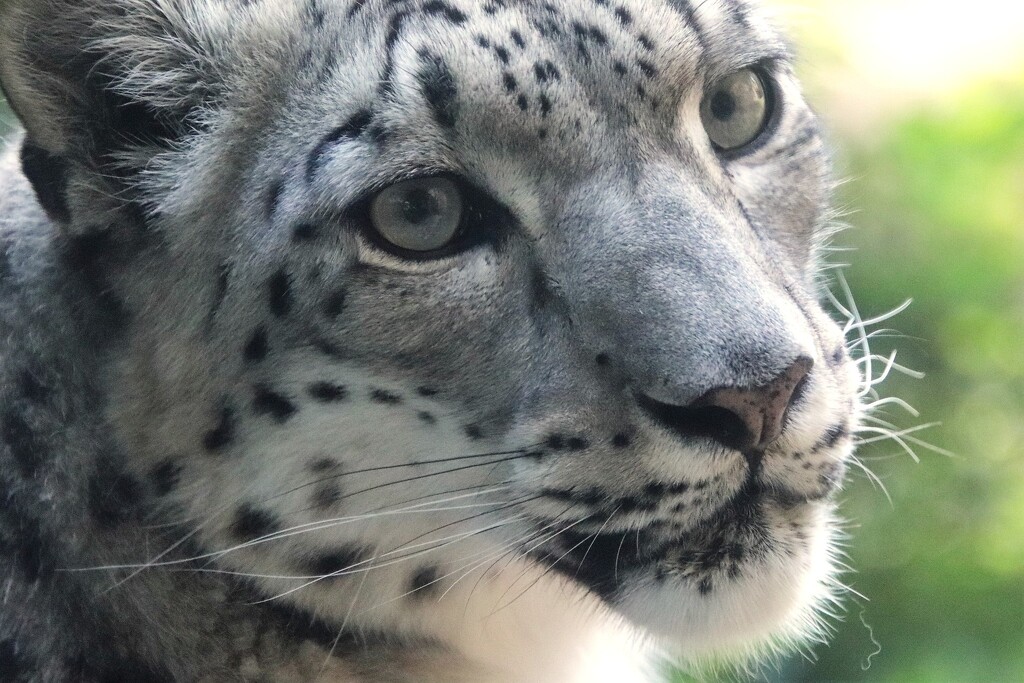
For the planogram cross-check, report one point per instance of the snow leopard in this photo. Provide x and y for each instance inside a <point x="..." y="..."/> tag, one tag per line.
<point x="412" y="340"/>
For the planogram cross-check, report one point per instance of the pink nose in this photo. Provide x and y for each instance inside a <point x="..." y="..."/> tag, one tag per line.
<point x="741" y="418"/>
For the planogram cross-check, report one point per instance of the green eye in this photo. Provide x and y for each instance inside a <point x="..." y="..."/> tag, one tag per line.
<point x="735" y="110"/>
<point x="420" y="215"/>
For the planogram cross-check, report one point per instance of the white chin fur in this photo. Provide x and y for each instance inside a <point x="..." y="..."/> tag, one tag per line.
<point x="774" y="605"/>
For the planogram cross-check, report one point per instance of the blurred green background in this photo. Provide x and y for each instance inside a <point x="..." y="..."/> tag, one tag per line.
<point x="926" y="105"/>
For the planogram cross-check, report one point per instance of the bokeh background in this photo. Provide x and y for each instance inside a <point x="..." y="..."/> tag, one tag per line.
<point x="925" y="100"/>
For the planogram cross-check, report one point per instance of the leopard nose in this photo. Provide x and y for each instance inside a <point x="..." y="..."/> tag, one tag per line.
<point x="741" y="418"/>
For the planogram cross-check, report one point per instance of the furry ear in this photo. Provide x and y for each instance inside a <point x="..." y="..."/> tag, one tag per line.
<point x="100" y="83"/>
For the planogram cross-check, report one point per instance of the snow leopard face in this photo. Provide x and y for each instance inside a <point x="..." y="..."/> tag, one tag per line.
<point x="433" y="311"/>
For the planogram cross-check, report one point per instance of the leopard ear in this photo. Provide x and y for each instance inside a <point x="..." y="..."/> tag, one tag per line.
<point x="105" y="83"/>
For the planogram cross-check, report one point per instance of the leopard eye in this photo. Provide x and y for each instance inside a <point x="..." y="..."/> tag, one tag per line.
<point x="420" y="215"/>
<point x="735" y="110"/>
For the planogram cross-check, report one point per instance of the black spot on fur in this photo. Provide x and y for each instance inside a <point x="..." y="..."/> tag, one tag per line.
<point x="576" y="443"/>
<point x="425" y="581"/>
<point x="339" y="560"/>
<point x="48" y="175"/>
<point x="623" y="15"/>
<point x="324" y="465"/>
<point x="327" y="495"/>
<point x="335" y="303"/>
<point x="166" y="476"/>
<point x="441" y="8"/>
<point x="31" y="388"/>
<point x="555" y="442"/>
<point x="502" y="54"/>
<point x="833" y="435"/>
<point x="273" y="199"/>
<point x="114" y="495"/>
<point x="87" y="255"/>
<point x="621" y="440"/>
<point x="257" y="346"/>
<point x="474" y="431"/>
<point x="645" y="42"/>
<point x="304" y="232"/>
<point x="27" y="450"/>
<point x="426" y="391"/>
<point x="510" y="82"/>
<point x="545" y="104"/>
<point x="12" y="664"/>
<point x="266" y="401"/>
<point x="252" y="522"/>
<point x="280" y="290"/>
<point x="438" y="84"/>
<point x="350" y="130"/>
<point x="646" y="68"/>
<point x="385" y="397"/>
<point x="426" y="417"/>
<point x="223" y="434"/>
<point x="327" y="392"/>
<point x="517" y="38"/>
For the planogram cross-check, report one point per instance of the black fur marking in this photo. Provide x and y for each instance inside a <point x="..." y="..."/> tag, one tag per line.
<point x="304" y="232"/>
<point x="603" y="360"/>
<point x="114" y="495"/>
<point x="266" y="401"/>
<point x="350" y="130"/>
<point x="426" y="417"/>
<point x="220" y="292"/>
<point x="273" y="198"/>
<point x="223" y="434"/>
<point x="832" y="436"/>
<point x="645" y="42"/>
<point x="339" y="560"/>
<point x="327" y="392"/>
<point x="576" y="443"/>
<point x="440" y="8"/>
<point x="473" y="431"/>
<point x="623" y="15"/>
<point x="31" y="388"/>
<point x="394" y="32"/>
<point x="510" y="82"/>
<point x="517" y="38"/>
<point x="439" y="88"/>
<point x="545" y="104"/>
<point x="621" y="440"/>
<point x="19" y="438"/>
<point x="427" y="391"/>
<point x="326" y="496"/>
<point x="324" y="465"/>
<point x="11" y="662"/>
<point x="48" y="175"/>
<point x="385" y="397"/>
<point x="280" y="289"/>
<point x="335" y="303"/>
<point x="502" y="54"/>
<point x="85" y="255"/>
<point x="166" y="476"/>
<point x="555" y="442"/>
<point x="425" y="581"/>
<point x="257" y="347"/>
<point x="252" y="522"/>
<point x="647" y="68"/>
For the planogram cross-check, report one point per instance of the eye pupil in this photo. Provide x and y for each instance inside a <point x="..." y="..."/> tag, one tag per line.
<point x="723" y="105"/>
<point x="419" y="215"/>
<point x="419" y="206"/>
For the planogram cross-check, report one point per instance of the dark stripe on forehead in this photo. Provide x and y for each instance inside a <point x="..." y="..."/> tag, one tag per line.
<point x="351" y="129"/>
<point x="439" y="88"/>
<point x="685" y="8"/>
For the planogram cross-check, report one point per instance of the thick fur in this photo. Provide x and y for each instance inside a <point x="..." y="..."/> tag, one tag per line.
<point x="242" y="442"/>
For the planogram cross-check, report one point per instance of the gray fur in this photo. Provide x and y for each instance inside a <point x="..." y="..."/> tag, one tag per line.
<point x="201" y="349"/>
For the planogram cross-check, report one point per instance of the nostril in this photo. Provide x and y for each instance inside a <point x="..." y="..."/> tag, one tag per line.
<point x="713" y="422"/>
<point x="743" y="419"/>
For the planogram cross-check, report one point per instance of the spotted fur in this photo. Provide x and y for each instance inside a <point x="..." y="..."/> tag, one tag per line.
<point x="241" y="441"/>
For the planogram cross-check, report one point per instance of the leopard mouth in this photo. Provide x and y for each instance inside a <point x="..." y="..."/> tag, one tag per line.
<point x="716" y="549"/>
